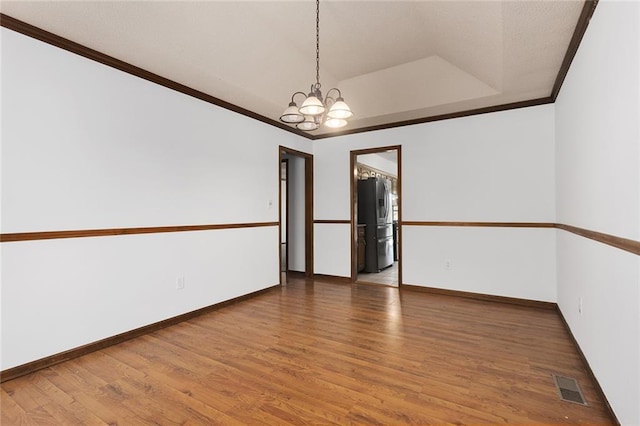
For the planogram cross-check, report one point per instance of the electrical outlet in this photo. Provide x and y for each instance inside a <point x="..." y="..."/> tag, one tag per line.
<point x="447" y="265"/>
<point x="179" y="283"/>
<point x="580" y="305"/>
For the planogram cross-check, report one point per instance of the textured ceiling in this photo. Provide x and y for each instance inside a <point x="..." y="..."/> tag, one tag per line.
<point x="392" y="60"/>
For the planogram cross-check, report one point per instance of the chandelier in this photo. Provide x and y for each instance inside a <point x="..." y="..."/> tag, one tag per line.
<point x="314" y="111"/>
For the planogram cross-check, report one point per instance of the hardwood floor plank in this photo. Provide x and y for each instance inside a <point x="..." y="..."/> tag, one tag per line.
<point x="64" y="407"/>
<point x="318" y="352"/>
<point x="10" y="412"/>
<point x="31" y="400"/>
<point x="89" y="390"/>
<point x="249" y="370"/>
<point x="168" y="405"/>
<point x="193" y="391"/>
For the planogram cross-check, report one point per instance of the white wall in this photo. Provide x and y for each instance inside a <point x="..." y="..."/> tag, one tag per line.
<point x="495" y="168"/>
<point x="296" y="214"/>
<point x="510" y="262"/>
<point x="598" y="184"/>
<point x="334" y="238"/>
<point x="85" y="146"/>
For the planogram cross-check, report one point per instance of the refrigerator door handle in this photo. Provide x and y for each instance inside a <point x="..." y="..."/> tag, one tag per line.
<point x="387" y="194"/>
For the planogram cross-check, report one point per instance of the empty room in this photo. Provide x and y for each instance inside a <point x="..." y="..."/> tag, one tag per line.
<point x="320" y="212"/>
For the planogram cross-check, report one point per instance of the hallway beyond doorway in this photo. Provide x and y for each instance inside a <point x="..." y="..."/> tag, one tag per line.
<point x="388" y="276"/>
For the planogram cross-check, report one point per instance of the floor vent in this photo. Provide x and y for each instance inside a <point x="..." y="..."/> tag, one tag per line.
<point x="569" y="390"/>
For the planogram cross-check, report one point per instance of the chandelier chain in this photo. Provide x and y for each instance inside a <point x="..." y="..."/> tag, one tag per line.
<point x="318" y="43"/>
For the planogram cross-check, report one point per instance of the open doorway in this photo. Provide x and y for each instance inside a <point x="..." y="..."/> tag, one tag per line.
<point x="295" y="171"/>
<point x="375" y="216"/>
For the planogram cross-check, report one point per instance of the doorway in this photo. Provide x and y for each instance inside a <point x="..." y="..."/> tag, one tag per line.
<point x="295" y="213"/>
<point x="376" y="212"/>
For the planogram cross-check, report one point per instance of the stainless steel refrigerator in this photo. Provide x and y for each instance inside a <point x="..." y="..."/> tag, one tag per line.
<point x="376" y="212"/>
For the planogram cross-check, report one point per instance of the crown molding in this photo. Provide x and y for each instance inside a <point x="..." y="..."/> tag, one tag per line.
<point x="29" y="30"/>
<point x="581" y="27"/>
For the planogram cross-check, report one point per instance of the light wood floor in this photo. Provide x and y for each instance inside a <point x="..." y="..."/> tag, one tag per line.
<point x="388" y="276"/>
<point x="313" y="352"/>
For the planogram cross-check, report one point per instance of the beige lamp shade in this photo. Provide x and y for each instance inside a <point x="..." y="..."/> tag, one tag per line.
<point x="291" y="114"/>
<point x="308" y="124"/>
<point x="340" y="110"/>
<point x="312" y="106"/>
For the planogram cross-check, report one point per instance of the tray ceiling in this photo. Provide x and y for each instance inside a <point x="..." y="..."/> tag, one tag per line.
<point x="393" y="60"/>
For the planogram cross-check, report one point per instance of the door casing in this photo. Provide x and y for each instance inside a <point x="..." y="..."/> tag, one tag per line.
<point x="308" y="209"/>
<point x="354" y="206"/>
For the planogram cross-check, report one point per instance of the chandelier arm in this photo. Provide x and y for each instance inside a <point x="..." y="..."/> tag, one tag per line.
<point x="337" y="90"/>
<point x="298" y="93"/>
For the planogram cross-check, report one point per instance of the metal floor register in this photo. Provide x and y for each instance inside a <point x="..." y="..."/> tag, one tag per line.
<point x="569" y="390"/>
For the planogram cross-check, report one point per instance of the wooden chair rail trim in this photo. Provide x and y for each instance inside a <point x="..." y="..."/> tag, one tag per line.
<point x="30" y="367"/>
<point x="49" y="235"/>
<point x="481" y="224"/>
<point x="626" y="244"/>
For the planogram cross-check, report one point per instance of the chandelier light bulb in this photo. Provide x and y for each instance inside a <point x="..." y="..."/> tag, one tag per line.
<point x="312" y="106"/>
<point x="340" y="110"/>
<point x="335" y="123"/>
<point x="308" y="124"/>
